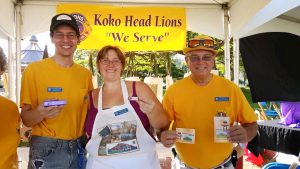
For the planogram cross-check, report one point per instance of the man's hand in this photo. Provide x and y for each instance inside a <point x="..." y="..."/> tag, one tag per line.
<point x="31" y="117"/>
<point x="168" y="138"/>
<point x="49" y="112"/>
<point x="237" y="134"/>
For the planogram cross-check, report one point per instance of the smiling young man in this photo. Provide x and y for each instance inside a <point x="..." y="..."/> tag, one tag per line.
<point x="54" y="101"/>
<point x="203" y="106"/>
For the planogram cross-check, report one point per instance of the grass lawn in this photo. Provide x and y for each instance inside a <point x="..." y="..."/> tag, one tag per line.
<point x="247" y="94"/>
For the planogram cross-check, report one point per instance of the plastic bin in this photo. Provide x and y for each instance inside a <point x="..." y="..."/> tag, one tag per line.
<point x="276" y="165"/>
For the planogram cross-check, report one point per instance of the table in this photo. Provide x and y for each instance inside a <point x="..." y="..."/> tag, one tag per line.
<point x="276" y="137"/>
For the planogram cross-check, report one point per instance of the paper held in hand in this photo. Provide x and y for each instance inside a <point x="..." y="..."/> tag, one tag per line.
<point x="185" y="135"/>
<point x="49" y="103"/>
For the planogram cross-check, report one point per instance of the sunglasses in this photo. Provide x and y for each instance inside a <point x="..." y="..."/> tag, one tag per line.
<point x="195" y="59"/>
<point x="202" y="42"/>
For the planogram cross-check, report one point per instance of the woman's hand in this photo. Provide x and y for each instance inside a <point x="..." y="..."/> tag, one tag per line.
<point x="146" y="105"/>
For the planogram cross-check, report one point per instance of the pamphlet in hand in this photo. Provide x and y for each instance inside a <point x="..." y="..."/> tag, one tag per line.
<point x="49" y="103"/>
<point x="185" y="135"/>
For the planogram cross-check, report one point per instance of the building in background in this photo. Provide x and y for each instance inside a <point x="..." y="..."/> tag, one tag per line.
<point x="32" y="52"/>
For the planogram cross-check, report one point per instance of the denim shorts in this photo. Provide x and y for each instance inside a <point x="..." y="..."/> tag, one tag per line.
<point x="51" y="153"/>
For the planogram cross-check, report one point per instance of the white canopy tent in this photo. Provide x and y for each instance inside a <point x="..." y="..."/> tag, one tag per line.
<point x="276" y="16"/>
<point x="27" y="17"/>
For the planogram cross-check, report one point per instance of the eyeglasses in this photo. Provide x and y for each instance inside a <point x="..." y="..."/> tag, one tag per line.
<point x="70" y="36"/>
<point x="195" y="59"/>
<point x="202" y="42"/>
<point x="106" y="62"/>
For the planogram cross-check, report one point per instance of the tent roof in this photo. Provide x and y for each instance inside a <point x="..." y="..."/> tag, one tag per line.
<point x="286" y="22"/>
<point x="134" y="1"/>
<point x="30" y="56"/>
<point x="269" y="13"/>
<point x="6" y="26"/>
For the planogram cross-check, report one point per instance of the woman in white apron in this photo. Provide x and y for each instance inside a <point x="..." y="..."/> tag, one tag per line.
<point x="119" y="139"/>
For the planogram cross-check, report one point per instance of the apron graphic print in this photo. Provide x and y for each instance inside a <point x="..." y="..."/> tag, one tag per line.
<point x="118" y="138"/>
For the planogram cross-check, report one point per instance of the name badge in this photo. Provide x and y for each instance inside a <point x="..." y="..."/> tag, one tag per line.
<point x="119" y="112"/>
<point x="54" y="89"/>
<point x="221" y="127"/>
<point x="221" y="99"/>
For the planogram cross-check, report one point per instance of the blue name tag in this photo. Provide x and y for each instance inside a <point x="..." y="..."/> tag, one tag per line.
<point x="54" y="89"/>
<point x="119" y="112"/>
<point x="221" y="99"/>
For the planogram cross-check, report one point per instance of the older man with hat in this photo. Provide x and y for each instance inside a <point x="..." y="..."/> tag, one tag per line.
<point x="54" y="101"/>
<point x="209" y="112"/>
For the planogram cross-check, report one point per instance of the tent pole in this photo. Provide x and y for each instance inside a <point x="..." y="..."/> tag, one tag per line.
<point x="227" y="42"/>
<point x="236" y="63"/>
<point x="11" y="70"/>
<point x="18" y="51"/>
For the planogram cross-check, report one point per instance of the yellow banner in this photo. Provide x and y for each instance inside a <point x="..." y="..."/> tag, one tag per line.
<point x="131" y="28"/>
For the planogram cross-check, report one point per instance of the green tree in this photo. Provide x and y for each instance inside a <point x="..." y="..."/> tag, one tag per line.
<point x="157" y="63"/>
<point x="145" y="64"/>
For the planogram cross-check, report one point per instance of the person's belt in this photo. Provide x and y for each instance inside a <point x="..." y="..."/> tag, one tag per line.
<point x="46" y="139"/>
<point x="226" y="163"/>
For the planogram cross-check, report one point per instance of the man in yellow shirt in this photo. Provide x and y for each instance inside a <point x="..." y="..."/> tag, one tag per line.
<point x="206" y="110"/>
<point x="54" y="101"/>
<point x="9" y="127"/>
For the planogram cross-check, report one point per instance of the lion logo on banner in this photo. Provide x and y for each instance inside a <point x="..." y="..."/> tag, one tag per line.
<point x="85" y="28"/>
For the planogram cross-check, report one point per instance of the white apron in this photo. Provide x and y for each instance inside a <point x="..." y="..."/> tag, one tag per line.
<point x="119" y="139"/>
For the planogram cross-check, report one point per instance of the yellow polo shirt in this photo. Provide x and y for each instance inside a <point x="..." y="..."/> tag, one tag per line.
<point x="44" y="80"/>
<point x="193" y="106"/>
<point x="10" y="137"/>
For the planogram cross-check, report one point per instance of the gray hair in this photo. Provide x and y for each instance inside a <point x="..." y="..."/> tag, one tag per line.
<point x="2" y="60"/>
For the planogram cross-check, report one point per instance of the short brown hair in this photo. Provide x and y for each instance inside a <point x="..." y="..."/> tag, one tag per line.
<point x="103" y="52"/>
<point x="2" y="60"/>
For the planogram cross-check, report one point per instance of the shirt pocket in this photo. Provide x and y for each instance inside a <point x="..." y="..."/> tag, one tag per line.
<point x="83" y="96"/>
